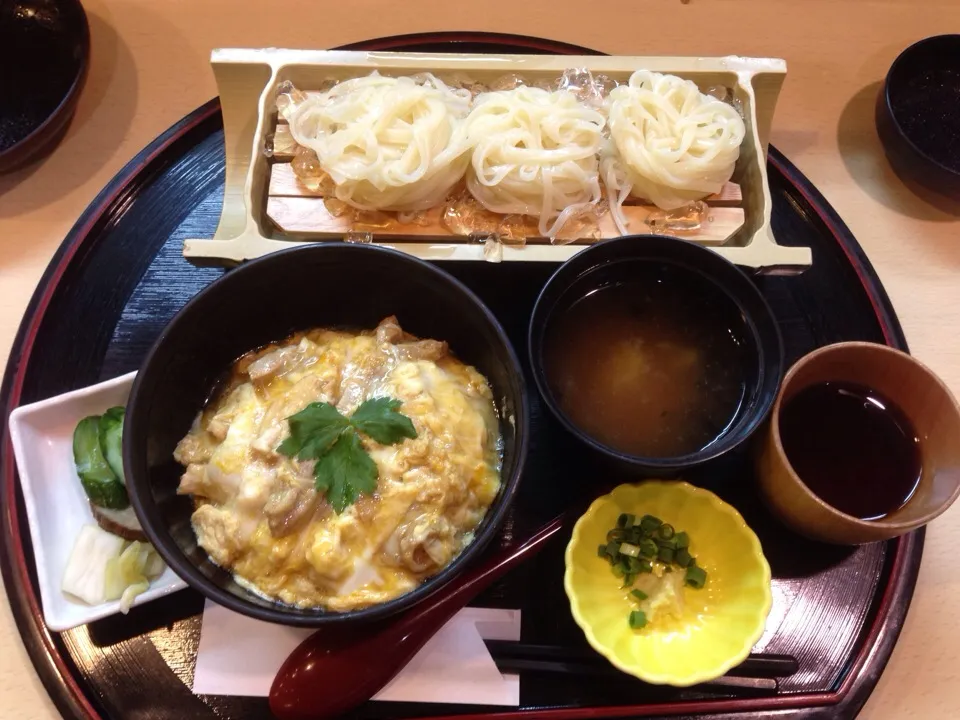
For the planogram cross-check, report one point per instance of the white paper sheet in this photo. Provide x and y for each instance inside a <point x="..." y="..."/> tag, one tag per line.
<point x="240" y="656"/>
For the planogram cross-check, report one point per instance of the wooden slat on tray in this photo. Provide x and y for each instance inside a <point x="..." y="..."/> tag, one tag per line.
<point x="284" y="183"/>
<point x="309" y="215"/>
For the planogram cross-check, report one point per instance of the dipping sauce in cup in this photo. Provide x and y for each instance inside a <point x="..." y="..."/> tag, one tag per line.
<point x="841" y="437"/>
<point x="863" y="444"/>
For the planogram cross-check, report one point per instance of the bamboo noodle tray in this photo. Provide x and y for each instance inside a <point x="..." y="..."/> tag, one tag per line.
<point x="267" y="208"/>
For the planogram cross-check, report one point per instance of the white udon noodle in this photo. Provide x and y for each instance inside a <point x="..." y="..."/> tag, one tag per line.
<point x="535" y="152"/>
<point x="387" y="143"/>
<point x="668" y="142"/>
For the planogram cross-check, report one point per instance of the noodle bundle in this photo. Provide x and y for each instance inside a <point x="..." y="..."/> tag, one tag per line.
<point x="387" y="143"/>
<point x="668" y="143"/>
<point x="535" y="152"/>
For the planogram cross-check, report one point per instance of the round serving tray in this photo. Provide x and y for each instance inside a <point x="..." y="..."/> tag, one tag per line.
<point x="120" y="276"/>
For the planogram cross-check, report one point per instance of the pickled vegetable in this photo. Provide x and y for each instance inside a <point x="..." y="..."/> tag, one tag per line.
<point x="99" y="481"/>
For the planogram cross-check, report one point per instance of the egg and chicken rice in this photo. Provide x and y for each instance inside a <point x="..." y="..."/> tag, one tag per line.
<point x="263" y="513"/>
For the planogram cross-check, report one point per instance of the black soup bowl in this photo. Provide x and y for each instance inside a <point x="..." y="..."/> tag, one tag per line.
<point x="322" y="285"/>
<point x="655" y="258"/>
<point x="918" y="114"/>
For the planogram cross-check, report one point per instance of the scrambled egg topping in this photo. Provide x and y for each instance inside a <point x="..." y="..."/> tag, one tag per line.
<point x="257" y="512"/>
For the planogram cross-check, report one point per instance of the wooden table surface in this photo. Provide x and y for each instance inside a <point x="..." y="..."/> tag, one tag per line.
<point x="149" y="67"/>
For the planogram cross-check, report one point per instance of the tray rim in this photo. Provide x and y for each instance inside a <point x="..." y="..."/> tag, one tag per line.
<point x="45" y="648"/>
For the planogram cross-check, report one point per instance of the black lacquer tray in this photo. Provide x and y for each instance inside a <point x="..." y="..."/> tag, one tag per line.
<point x="120" y="276"/>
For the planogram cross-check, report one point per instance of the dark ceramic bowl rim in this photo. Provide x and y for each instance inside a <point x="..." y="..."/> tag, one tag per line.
<point x="904" y="57"/>
<point x="170" y="551"/>
<point x="747" y="424"/>
<point x="23" y="150"/>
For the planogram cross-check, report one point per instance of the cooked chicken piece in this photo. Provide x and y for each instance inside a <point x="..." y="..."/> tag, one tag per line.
<point x="329" y="557"/>
<point x="422" y="542"/>
<point x="217" y="533"/>
<point x="208" y="481"/>
<point x="407" y="346"/>
<point x="366" y="508"/>
<point x="254" y="492"/>
<point x="359" y="378"/>
<point x="282" y="501"/>
<point x="273" y="425"/>
<point x="422" y="350"/>
<point x="219" y="424"/>
<point x="196" y="447"/>
<point x="389" y="332"/>
<point x="267" y="441"/>
<point x="288" y="510"/>
<point x="273" y="363"/>
<point x="427" y="544"/>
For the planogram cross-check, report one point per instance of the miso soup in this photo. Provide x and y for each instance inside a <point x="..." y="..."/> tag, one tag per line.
<point x="653" y="367"/>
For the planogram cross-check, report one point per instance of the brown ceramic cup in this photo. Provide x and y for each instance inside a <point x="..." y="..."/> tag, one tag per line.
<point x="923" y="398"/>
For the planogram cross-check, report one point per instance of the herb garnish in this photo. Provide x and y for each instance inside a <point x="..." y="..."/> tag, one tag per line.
<point x="344" y="469"/>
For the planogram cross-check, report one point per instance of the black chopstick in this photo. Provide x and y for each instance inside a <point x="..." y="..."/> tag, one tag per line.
<point x="758" y="672"/>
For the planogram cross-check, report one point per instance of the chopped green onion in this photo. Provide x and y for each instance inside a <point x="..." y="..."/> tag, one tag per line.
<point x="602" y="551"/>
<point x="633" y="536"/>
<point x="696" y="577"/>
<point x="682" y="557"/>
<point x="671" y="543"/>
<point x="649" y="523"/>
<point x="618" y="571"/>
<point x="648" y="548"/>
<point x="638" y="618"/>
<point x="639" y="594"/>
<point x="629" y="550"/>
<point x="646" y="566"/>
<point x="665" y="531"/>
<point x="665" y="555"/>
<point x="633" y="564"/>
<point x="625" y="520"/>
<point x="612" y="549"/>
<point x="628" y="580"/>
<point x="683" y="540"/>
<point x="615" y="536"/>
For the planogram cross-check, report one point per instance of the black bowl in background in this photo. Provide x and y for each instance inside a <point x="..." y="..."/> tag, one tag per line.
<point x="610" y="262"/>
<point x="44" y="55"/>
<point x="329" y="284"/>
<point x="918" y="114"/>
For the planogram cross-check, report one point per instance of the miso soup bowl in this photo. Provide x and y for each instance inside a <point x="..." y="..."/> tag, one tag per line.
<point x="613" y="261"/>
<point x="928" y="405"/>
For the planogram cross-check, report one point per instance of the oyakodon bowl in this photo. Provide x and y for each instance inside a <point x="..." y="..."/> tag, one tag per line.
<point x="614" y="261"/>
<point x="323" y="285"/>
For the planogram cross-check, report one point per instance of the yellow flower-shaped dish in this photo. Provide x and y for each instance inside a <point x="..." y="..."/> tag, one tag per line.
<point x="719" y="623"/>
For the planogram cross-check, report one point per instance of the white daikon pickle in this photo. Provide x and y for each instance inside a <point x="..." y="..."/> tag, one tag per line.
<point x="84" y="576"/>
<point x="130" y="594"/>
<point x="155" y="565"/>
<point x="128" y="575"/>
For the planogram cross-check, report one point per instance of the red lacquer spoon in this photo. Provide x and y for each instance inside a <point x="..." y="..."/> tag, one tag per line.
<point x="335" y="669"/>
